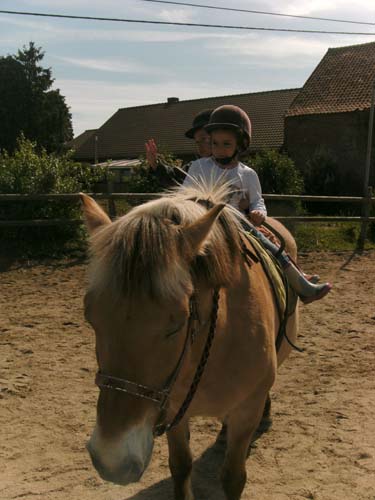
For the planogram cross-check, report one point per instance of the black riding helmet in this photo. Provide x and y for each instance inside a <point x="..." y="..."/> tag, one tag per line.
<point x="232" y="118"/>
<point x="199" y="121"/>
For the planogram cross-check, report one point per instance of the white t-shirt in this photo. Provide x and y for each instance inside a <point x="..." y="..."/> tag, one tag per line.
<point x="243" y="180"/>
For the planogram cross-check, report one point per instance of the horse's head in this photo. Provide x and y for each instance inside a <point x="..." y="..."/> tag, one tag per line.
<point x="138" y="302"/>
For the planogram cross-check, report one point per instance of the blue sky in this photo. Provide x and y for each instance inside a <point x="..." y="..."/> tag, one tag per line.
<point x="102" y="66"/>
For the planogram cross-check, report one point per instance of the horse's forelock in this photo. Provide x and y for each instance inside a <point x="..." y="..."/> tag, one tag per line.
<point x="142" y="253"/>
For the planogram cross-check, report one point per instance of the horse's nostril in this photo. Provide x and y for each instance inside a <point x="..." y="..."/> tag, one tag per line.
<point x="134" y="469"/>
<point x="95" y="460"/>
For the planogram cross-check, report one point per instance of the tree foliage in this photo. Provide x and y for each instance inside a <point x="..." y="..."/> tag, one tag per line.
<point x="28" y="103"/>
<point x="14" y="88"/>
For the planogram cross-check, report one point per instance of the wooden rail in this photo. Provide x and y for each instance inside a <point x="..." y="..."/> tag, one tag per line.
<point x="121" y="196"/>
<point x="365" y="201"/>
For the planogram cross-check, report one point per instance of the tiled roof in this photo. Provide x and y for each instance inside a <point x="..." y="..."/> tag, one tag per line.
<point x="341" y="82"/>
<point x="124" y="134"/>
<point x="78" y="141"/>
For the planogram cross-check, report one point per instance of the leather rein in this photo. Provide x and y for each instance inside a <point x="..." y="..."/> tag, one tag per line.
<point x="161" y="397"/>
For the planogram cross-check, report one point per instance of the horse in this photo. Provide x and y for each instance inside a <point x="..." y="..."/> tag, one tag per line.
<point x="184" y="327"/>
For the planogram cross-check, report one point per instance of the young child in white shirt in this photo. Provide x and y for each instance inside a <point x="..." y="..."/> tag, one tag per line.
<point x="230" y="130"/>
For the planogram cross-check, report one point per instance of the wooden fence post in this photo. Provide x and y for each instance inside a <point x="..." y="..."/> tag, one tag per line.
<point x="111" y="202"/>
<point x="366" y="211"/>
<point x="367" y="191"/>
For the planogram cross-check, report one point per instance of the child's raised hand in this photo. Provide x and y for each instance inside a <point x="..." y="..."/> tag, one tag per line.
<point x="257" y="217"/>
<point x="151" y="153"/>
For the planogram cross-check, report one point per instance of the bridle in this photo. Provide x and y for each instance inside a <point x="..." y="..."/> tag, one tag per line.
<point x="162" y="397"/>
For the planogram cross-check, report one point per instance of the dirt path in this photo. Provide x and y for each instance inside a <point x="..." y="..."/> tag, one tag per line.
<point x="321" y="446"/>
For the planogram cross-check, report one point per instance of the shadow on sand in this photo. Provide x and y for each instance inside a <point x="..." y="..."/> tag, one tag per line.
<point x="206" y="480"/>
<point x="354" y="254"/>
<point x="206" y="474"/>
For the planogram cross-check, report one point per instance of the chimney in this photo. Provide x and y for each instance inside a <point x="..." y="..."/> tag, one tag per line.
<point x="172" y="100"/>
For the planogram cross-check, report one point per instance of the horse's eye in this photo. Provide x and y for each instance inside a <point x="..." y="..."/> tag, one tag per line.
<point x="175" y="331"/>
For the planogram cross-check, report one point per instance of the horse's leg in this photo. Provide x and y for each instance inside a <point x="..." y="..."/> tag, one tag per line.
<point x="264" y="425"/>
<point x="242" y="424"/>
<point x="266" y="421"/>
<point x="180" y="461"/>
<point x="267" y="407"/>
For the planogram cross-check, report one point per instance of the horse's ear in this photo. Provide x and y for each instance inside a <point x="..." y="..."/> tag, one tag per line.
<point x="196" y="233"/>
<point x="95" y="217"/>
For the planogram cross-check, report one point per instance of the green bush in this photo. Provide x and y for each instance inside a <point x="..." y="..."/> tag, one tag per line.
<point x="28" y="171"/>
<point x="277" y="173"/>
<point x="144" y="180"/>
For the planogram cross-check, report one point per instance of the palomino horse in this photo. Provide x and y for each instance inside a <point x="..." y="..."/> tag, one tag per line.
<point x="166" y="281"/>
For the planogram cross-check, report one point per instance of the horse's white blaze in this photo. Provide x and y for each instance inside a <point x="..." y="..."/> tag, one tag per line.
<point x="134" y="446"/>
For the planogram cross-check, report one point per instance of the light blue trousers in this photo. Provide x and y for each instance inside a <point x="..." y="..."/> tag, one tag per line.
<point x="282" y="257"/>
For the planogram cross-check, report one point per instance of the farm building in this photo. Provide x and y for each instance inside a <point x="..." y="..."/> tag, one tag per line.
<point x="124" y="134"/>
<point x="326" y="120"/>
<point x="330" y="115"/>
<point x="80" y="140"/>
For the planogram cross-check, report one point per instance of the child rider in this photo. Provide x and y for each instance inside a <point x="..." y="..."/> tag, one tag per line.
<point x="169" y="175"/>
<point x="230" y="130"/>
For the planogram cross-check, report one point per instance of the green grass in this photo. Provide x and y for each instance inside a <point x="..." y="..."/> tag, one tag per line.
<point x="331" y="236"/>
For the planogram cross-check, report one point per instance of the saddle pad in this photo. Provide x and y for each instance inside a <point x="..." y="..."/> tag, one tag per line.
<point x="286" y="297"/>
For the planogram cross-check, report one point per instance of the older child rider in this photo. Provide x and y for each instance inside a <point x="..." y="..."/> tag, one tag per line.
<point x="230" y="131"/>
<point x="168" y="174"/>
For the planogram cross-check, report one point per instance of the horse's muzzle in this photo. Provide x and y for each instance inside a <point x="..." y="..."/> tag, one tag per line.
<point x="130" y="471"/>
<point x="122" y="462"/>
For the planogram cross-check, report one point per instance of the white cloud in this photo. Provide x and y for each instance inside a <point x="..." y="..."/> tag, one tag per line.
<point x="109" y="8"/>
<point x="287" y="51"/>
<point x="22" y="22"/>
<point x="113" y="65"/>
<point x="317" y="8"/>
<point x="156" y="36"/>
<point x="116" y="9"/>
<point x="176" y="15"/>
<point x="50" y="31"/>
<point x="145" y="36"/>
<point x="308" y="7"/>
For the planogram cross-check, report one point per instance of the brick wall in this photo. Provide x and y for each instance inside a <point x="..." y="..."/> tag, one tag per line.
<point x="343" y="135"/>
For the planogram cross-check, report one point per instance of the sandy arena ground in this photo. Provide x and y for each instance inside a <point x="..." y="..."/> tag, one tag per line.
<point x="322" y="443"/>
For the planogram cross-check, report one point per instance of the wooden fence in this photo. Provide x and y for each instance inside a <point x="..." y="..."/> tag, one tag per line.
<point x="366" y="203"/>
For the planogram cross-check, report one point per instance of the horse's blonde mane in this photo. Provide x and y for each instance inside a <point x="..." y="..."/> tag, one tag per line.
<point x="144" y="252"/>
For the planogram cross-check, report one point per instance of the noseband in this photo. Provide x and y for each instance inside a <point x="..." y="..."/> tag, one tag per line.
<point x="161" y="397"/>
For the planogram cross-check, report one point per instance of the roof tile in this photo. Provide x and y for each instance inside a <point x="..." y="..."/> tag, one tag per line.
<point x="341" y="82"/>
<point x="124" y="134"/>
